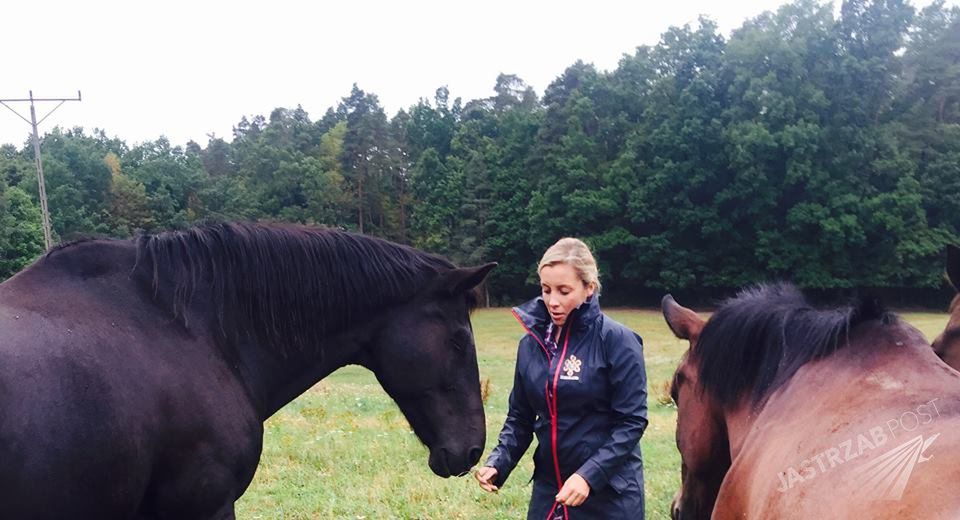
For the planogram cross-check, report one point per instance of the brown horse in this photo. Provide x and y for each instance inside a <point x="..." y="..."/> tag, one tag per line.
<point x="947" y="345"/>
<point x="785" y="411"/>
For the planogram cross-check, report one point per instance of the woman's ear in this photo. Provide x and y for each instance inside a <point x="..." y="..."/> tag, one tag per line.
<point x="591" y="288"/>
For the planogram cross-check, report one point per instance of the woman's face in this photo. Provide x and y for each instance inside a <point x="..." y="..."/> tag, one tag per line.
<point x="563" y="290"/>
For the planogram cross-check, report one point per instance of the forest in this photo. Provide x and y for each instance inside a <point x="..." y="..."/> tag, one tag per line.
<point x="808" y="146"/>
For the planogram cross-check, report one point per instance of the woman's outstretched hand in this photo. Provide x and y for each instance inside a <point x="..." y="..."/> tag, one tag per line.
<point x="485" y="476"/>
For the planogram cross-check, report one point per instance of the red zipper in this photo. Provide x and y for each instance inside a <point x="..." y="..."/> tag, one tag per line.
<point x="554" y="413"/>
<point x="524" y="325"/>
<point x="552" y="405"/>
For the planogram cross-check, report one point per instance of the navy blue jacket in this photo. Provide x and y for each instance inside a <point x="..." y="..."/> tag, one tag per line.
<point x="601" y="402"/>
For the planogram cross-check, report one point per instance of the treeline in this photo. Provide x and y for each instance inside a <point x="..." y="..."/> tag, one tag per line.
<point x="809" y="147"/>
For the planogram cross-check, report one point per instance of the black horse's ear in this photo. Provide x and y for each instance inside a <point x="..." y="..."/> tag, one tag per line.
<point x="461" y="280"/>
<point x="953" y="266"/>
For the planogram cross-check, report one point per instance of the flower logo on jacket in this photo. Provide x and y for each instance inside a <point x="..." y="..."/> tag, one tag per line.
<point x="571" y="366"/>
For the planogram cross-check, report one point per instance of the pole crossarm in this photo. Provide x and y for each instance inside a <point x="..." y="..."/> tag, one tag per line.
<point x="32" y="99"/>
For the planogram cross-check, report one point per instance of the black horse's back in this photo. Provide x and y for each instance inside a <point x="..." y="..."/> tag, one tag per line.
<point x="94" y="380"/>
<point x="58" y="404"/>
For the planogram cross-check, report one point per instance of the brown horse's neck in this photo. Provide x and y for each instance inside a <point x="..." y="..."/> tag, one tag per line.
<point x="739" y="422"/>
<point x="882" y="359"/>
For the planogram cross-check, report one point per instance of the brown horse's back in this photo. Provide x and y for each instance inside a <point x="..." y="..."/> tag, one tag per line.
<point x="872" y="431"/>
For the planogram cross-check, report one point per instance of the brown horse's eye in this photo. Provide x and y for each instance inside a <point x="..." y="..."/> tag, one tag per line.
<point x="678" y="379"/>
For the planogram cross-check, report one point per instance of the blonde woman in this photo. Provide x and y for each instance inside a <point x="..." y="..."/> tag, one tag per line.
<point x="580" y="385"/>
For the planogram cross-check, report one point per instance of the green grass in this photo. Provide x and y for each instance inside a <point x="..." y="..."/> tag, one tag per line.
<point x="343" y="450"/>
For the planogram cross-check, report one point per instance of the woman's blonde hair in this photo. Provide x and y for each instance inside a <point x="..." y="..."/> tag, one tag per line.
<point x="573" y="252"/>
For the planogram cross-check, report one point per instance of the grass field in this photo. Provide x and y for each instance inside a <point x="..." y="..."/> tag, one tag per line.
<point x="343" y="450"/>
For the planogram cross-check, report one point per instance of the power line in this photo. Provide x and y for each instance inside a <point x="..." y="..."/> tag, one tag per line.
<point x="47" y="234"/>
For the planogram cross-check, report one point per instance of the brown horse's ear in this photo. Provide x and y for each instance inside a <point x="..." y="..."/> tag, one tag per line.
<point x="461" y="280"/>
<point x="684" y="323"/>
<point x="953" y="266"/>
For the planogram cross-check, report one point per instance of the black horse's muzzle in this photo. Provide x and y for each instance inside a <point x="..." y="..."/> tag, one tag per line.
<point x="447" y="463"/>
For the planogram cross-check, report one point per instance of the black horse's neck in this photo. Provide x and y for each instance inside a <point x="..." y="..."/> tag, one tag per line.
<point x="272" y="381"/>
<point x="282" y="286"/>
<point x="283" y="302"/>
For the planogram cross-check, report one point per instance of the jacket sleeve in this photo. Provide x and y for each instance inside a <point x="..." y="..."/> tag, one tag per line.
<point x="517" y="432"/>
<point x="628" y="404"/>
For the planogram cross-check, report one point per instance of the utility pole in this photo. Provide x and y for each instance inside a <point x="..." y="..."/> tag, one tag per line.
<point x="47" y="234"/>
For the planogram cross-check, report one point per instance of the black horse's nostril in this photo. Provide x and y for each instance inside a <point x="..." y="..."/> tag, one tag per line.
<point x="444" y="458"/>
<point x="474" y="454"/>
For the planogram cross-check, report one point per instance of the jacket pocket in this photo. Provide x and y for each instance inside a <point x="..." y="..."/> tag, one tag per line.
<point x="622" y="483"/>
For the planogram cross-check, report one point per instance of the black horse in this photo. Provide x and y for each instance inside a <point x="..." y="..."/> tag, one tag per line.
<point x="135" y="376"/>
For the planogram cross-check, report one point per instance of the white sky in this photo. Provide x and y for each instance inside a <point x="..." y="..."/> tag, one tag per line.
<point x="185" y="69"/>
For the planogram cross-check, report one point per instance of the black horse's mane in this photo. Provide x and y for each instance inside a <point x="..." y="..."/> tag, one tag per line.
<point x="759" y="339"/>
<point x="285" y="286"/>
<point x="75" y="241"/>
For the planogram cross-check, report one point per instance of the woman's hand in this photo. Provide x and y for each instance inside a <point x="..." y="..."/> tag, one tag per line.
<point x="574" y="491"/>
<point x="485" y="476"/>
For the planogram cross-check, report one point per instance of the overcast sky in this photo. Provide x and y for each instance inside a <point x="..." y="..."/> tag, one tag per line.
<point x="186" y="69"/>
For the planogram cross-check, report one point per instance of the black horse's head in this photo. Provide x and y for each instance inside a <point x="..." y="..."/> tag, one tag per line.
<point x="424" y="357"/>
<point x="314" y="299"/>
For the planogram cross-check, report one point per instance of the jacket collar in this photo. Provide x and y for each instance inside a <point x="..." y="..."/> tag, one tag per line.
<point x="534" y="315"/>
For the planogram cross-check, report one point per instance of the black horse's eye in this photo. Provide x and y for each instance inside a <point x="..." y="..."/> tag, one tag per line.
<point x="461" y="340"/>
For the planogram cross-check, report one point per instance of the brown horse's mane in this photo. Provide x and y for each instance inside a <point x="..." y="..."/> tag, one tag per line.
<point x="758" y="339"/>
<point x="284" y="286"/>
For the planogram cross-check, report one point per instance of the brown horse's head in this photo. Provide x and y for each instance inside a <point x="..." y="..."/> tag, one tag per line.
<point x="753" y="344"/>
<point x="947" y="345"/>
<point x="701" y="433"/>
